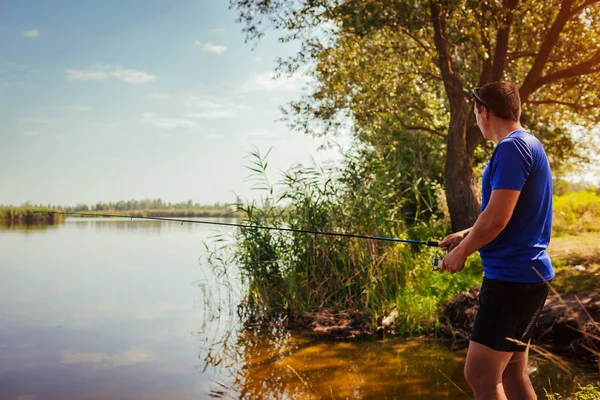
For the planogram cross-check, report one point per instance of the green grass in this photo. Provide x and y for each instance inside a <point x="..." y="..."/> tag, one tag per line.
<point x="576" y="260"/>
<point x="588" y="392"/>
<point x="576" y="212"/>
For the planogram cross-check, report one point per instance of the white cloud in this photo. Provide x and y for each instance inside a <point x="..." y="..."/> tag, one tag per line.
<point x="207" y="106"/>
<point x="31" y="33"/>
<point x="269" y="82"/>
<point x="208" y="47"/>
<point x="160" y="96"/>
<point x="103" y="72"/>
<point x="167" y="122"/>
<point x="126" y="358"/>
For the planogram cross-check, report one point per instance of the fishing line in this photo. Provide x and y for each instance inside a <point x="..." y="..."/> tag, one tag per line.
<point x="182" y="221"/>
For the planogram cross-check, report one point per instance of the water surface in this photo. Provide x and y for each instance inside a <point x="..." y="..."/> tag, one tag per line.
<point x="121" y="309"/>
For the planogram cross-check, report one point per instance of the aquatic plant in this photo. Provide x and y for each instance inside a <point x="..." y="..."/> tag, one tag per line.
<point x="289" y="274"/>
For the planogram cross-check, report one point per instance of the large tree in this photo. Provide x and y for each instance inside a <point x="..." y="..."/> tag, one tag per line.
<point x="402" y="69"/>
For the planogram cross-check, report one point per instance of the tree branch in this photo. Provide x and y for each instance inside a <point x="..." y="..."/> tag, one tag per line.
<point x="583" y="68"/>
<point x="582" y="7"/>
<point x="564" y="103"/>
<point x="502" y="39"/>
<point x="452" y="82"/>
<point x="531" y="83"/>
<point x="486" y="65"/>
<point x="416" y="39"/>
<point x="422" y="128"/>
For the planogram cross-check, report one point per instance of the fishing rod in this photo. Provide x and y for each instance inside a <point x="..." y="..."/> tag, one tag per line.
<point x="182" y="221"/>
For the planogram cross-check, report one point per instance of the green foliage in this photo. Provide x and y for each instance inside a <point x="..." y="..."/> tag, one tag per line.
<point x="588" y="392"/>
<point x="289" y="273"/>
<point x="378" y="61"/>
<point x="576" y="212"/>
<point x="400" y="72"/>
<point x="30" y="215"/>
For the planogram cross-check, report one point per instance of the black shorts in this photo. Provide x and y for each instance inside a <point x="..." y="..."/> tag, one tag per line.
<point x="508" y="310"/>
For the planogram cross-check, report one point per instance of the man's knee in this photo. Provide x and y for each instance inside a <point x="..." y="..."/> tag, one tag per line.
<point x="515" y="375"/>
<point x="478" y="376"/>
<point x="516" y="369"/>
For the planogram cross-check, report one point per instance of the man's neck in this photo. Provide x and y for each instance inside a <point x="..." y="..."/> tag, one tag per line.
<point x="503" y="128"/>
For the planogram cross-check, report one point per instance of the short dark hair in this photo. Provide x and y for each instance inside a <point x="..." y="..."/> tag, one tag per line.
<point x="500" y="98"/>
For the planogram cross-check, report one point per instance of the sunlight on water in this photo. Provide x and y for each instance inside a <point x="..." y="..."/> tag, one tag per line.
<point x="103" y="309"/>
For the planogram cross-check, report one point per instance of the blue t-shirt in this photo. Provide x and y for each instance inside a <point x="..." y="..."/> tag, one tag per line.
<point x="519" y="162"/>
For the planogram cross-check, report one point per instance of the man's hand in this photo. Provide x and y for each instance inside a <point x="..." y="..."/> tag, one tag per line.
<point x="453" y="240"/>
<point x="454" y="261"/>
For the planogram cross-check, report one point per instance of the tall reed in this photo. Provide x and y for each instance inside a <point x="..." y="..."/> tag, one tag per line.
<point x="289" y="274"/>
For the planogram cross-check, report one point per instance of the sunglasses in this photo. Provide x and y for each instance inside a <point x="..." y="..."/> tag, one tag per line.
<point x="478" y="98"/>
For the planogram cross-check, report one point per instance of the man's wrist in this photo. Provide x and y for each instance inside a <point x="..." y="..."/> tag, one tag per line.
<point x="462" y="251"/>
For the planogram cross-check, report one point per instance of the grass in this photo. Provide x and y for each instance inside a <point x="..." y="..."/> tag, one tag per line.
<point x="575" y="213"/>
<point x="288" y="275"/>
<point x="576" y="259"/>
<point x="588" y="392"/>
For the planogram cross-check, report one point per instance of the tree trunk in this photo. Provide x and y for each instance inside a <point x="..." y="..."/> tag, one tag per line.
<point x="459" y="181"/>
<point x="461" y="188"/>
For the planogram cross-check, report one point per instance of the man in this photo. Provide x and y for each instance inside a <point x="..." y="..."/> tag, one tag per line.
<point x="512" y="234"/>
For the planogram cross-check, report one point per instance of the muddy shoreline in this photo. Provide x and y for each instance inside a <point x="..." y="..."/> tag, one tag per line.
<point x="569" y="325"/>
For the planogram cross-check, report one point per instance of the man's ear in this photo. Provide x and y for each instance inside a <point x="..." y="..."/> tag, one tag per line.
<point x="485" y="113"/>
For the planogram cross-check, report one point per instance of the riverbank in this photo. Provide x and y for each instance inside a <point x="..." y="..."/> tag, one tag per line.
<point x="30" y="215"/>
<point x="44" y="215"/>
<point x="569" y="323"/>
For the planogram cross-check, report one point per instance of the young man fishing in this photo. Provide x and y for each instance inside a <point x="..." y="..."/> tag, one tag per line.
<point x="512" y="234"/>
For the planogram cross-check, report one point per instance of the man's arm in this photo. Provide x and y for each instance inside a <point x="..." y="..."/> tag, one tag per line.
<point x="454" y="239"/>
<point x="490" y="223"/>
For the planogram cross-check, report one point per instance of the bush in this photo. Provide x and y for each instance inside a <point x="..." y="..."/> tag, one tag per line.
<point x="290" y="273"/>
<point x="576" y="212"/>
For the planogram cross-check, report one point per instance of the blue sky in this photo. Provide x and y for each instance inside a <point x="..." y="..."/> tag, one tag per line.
<point x="111" y="100"/>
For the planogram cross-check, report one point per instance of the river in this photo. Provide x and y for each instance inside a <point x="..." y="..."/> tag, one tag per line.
<point x="122" y="309"/>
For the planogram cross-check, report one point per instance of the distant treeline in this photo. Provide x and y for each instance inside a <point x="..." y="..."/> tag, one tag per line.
<point x="33" y="214"/>
<point x="154" y="205"/>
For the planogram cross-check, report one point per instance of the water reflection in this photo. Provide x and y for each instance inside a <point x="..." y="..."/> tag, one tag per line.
<point x="26" y="228"/>
<point x="280" y="365"/>
<point x="295" y="367"/>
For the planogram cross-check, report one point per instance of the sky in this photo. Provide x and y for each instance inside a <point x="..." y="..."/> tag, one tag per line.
<point x="114" y="100"/>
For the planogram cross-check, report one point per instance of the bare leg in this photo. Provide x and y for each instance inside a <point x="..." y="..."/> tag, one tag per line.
<point x="483" y="371"/>
<point x="515" y="378"/>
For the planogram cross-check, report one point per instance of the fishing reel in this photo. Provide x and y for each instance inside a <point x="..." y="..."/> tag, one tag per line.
<point x="436" y="261"/>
